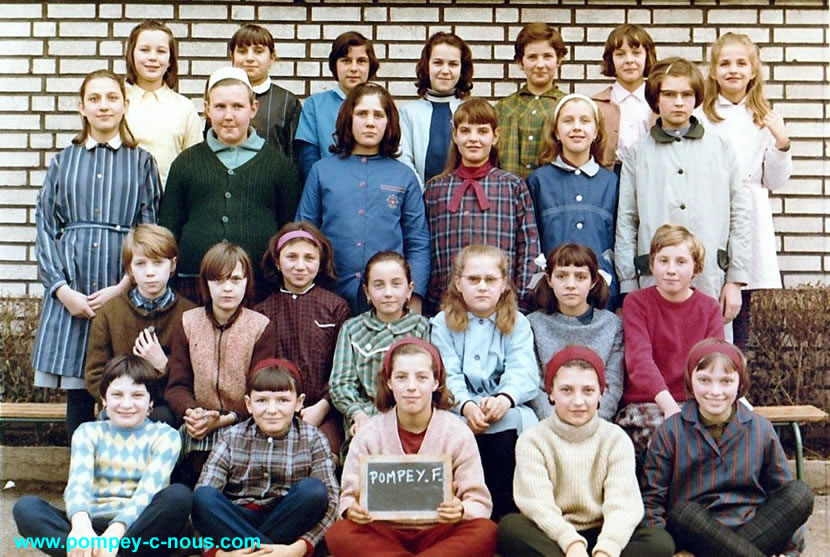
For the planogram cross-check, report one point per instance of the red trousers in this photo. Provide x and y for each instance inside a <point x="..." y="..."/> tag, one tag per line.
<point x="469" y="537"/>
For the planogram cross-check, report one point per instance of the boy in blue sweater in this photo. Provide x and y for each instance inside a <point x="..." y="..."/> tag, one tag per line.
<point x="118" y="494"/>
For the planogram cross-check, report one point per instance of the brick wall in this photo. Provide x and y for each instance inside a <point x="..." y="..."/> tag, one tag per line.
<point x="47" y="47"/>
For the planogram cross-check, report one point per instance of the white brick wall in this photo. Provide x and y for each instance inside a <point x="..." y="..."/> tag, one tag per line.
<point x="46" y="47"/>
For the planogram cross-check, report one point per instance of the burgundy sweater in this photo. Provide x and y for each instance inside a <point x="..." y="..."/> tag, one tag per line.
<point x="658" y="337"/>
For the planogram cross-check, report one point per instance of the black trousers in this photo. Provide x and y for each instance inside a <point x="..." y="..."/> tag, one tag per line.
<point x="695" y="529"/>
<point x="498" y="458"/>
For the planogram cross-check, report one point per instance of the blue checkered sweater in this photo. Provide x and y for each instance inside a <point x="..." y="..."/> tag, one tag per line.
<point x="115" y="473"/>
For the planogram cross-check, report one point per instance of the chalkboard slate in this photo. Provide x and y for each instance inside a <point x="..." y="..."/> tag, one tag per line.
<point x="405" y="488"/>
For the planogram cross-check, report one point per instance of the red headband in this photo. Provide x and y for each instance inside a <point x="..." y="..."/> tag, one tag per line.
<point x="437" y="362"/>
<point x="714" y="346"/>
<point x="570" y="353"/>
<point x="286" y="365"/>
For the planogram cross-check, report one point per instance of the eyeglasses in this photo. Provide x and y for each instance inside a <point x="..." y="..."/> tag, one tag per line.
<point x="475" y="280"/>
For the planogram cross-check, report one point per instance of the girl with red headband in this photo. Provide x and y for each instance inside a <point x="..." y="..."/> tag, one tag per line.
<point x="575" y="482"/>
<point x="307" y="316"/>
<point x="414" y="400"/>
<point x="716" y="476"/>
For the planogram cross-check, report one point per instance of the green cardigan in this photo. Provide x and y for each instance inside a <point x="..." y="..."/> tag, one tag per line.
<point x="205" y="202"/>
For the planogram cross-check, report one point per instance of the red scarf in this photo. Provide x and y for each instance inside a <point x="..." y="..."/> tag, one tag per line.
<point x="471" y="177"/>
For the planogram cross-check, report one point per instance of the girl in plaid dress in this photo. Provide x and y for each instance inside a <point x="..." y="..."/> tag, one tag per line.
<point x="364" y="340"/>
<point x="475" y="202"/>
<point x="307" y="317"/>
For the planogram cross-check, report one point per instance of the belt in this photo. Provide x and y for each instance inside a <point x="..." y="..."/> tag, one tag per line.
<point x="105" y="225"/>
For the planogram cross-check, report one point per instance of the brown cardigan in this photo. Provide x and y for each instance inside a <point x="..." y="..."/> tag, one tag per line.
<point x="115" y="328"/>
<point x="209" y="362"/>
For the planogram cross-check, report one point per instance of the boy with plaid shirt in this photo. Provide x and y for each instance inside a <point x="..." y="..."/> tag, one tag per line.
<point x="270" y="478"/>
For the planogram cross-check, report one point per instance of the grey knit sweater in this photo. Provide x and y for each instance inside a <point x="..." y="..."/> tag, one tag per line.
<point x="604" y="335"/>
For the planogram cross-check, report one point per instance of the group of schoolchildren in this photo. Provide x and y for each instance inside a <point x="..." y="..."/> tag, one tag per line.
<point x="282" y="328"/>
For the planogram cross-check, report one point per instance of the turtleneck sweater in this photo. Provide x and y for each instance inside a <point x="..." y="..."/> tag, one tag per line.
<point x="572" y="478"/>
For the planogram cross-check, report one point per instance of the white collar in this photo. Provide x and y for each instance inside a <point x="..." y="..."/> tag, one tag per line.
<point x="590" y="168"/>
<point x="113" y="143"/>
<point x="723" y="101"/>
<point x="263" y="87"/>
<point x="620" y="93"/>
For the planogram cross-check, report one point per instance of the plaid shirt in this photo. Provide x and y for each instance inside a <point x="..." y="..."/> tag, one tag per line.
<point x="509" y="224"/>
<point x="729" y="477"/>
<point x="362" y="343"/>
<point x="306" y="327"/>
<point x="522" y="116"/>
<point x="249" y="467"/>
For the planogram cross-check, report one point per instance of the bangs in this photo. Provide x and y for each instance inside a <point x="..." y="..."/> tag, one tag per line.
<point x="477" y="112"/>
<point x="252" y="35"/>
<point x="572" y="255"/>
<point x="274" y="379"/>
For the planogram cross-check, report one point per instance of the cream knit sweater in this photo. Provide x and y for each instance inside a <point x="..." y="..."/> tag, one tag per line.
<point x="572" y="478"/>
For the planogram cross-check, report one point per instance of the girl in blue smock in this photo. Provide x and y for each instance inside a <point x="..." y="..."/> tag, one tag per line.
<point x="574" y="196"/>
<point x="352" y="61"/>
<point x="95" y="190"/>
<point x="364" y="200"/>
<point x="487" y="347"/>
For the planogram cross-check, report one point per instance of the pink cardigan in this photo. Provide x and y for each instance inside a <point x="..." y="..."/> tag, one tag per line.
<point x="446" y="434"/>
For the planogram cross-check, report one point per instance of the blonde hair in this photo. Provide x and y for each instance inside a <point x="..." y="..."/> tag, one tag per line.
<point x="669" y="235"/>
<point x="755" y="100"/>
<point x="552" y="147"/>
<point x="452" y="303"/>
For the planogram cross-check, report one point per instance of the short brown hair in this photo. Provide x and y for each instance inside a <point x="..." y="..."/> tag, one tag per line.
<point x="476" y="112"/>
<point x="452" y="302"/>
<point x="382" y="256"/>
<point x="442" y="397"/>
<point x="465" y="79"/>
<point x="340" y="48"/>
<point x="219" y="263"/>
<point x="251" y="34"/>
<point x="325" y="276"/>
<point x="155" y="241"/>
<point x="636" y="37"/>
<point x="709" y="359"/>
<point x="669" y="235"/>
<point x="552" y="146"/>
<point x="171" y="76"/>
<point x="136" y="368"/>
<point x="344" y="138"/>
<point x="533" y="32"/>
<point x="675" y="67"/>
<point x="565" y="255"/>
<point x="274" y="378"/>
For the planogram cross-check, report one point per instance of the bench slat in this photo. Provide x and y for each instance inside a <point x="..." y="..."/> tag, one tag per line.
<point x="33" y="411"/>
<point x="806" y="413"/>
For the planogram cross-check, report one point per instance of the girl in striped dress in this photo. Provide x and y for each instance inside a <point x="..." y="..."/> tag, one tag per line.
<point x="95" y="190"/>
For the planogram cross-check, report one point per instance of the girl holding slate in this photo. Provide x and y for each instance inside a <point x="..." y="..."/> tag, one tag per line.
<point x="413" y="399"/>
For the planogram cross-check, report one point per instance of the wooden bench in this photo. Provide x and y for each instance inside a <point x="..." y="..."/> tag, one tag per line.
<point x="793" y="416"/>
<point x="33" y="412"/>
